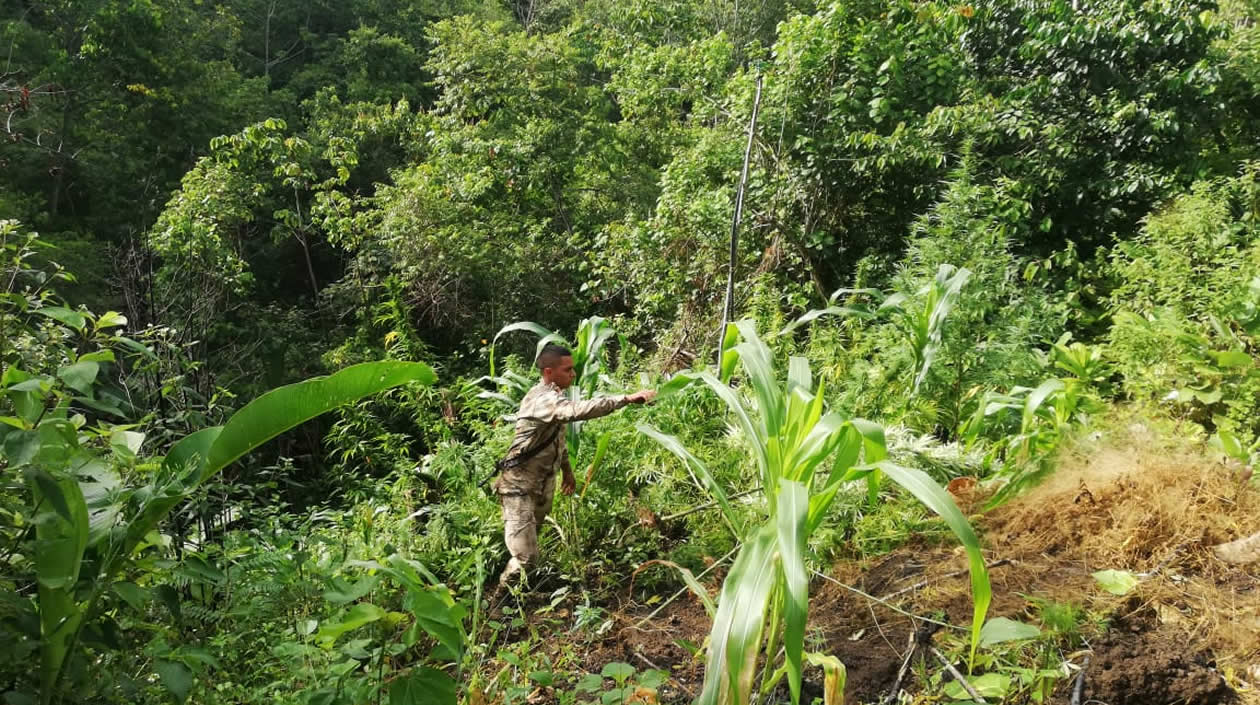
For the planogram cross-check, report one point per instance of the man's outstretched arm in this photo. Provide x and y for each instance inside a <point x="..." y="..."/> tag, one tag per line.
<point x="567" y="410"/>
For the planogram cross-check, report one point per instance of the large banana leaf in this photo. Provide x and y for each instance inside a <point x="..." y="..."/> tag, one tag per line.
<point x="61" y="536"/>
<point x="189" y="463"/>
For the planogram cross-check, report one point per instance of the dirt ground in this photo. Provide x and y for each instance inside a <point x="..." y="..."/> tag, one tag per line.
<point x="1188" y="634"/>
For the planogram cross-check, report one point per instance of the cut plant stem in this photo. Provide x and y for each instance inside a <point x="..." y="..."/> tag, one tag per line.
<point x="710" y="505"/>
<point x="954" y="574"/>
<point x="957" y="676"/>
<point x="1079" y="689"/>
<point x="889" y="605"/>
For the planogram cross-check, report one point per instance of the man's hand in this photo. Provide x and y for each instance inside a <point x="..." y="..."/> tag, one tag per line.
<point x="643" y="396"/>
<point x="568" y="484"/>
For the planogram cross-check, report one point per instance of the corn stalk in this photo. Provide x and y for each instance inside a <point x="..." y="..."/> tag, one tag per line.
<point x="764" y="600"/>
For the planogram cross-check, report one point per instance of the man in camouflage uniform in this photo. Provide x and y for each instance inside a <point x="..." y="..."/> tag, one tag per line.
<point x="527" y="485"/>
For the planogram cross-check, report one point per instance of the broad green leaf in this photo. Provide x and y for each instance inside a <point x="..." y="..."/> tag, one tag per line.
<point x="989" y="685"/>
<point x="98" y="356"/>
<point x="102" y="405"/>
<point x="281" y="409"/>
<point x="1001" y="629"/>
<point x="128" y="440"/>
<point x="652" y="678"/>
<point x="1116" y="582"/>
<point x="590" y="683"/>
<point x="350" y="593"/>
<point x="60" y="541"/>
<point x="618" y="671"/>
<point x="1233" y="359"/>
<point x="200" y="455"/>
<point x="543" y="678"/>
<point x="51" y="492"/>
<point x="21" y="447"/>
<point x="437" y="617"/>
<point x="74" y="319"/>
<point x="1229" y="444"/>
<point x="359" y="615"/>
<point x="133" y="594"/>
<point x="110" y="319"/>
<point x="198" y="568"/>
<point x="176" y="677"/>
<point x="423" y="686"/>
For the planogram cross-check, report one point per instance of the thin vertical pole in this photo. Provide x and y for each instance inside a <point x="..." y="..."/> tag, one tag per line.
<point x="728" y="308"/>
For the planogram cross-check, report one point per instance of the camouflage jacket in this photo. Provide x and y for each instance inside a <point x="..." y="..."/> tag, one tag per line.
<point x="545" y="411"/>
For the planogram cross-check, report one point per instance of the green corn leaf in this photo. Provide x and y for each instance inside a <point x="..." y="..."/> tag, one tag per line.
<point x="755" y="356"/>
<point x="876" y="450"/>
<point x="736" y="636"/>
<point x="1035" y="399"/>
<point x="820" y="312"/>
<point x="753" y="431"/>
<point x="729" y="357"/>
<point x="545" y="335"/>
<point x="935" y="497"/>
<point x="791" y="527"/>
<point x="675" y="446"/>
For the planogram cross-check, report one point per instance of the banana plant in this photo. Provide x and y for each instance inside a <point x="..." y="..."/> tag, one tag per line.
<point x="84" y="534"/>
<point x="804" y="456"/>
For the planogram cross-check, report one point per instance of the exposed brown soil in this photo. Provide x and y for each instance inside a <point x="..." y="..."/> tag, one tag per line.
<point x="1153" y="668"/>
<point x="1142" y="508"/>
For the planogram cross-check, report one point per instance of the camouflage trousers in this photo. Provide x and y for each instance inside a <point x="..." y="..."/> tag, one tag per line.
<point x="523" y="516"/>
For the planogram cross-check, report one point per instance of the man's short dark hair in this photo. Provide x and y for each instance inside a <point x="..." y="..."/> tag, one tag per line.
<point x="551" y="355"/>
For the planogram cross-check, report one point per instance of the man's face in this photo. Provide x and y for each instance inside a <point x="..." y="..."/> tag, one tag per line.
<point x="562" y="375"/>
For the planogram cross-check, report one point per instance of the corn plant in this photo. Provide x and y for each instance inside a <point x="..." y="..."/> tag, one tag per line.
<point x="588" y="362"/>
<point x="803" y="457"/>
<point x="922" y="325"/>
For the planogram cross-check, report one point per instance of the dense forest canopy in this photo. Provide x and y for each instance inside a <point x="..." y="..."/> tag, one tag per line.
<point x="1015" y="214"/>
